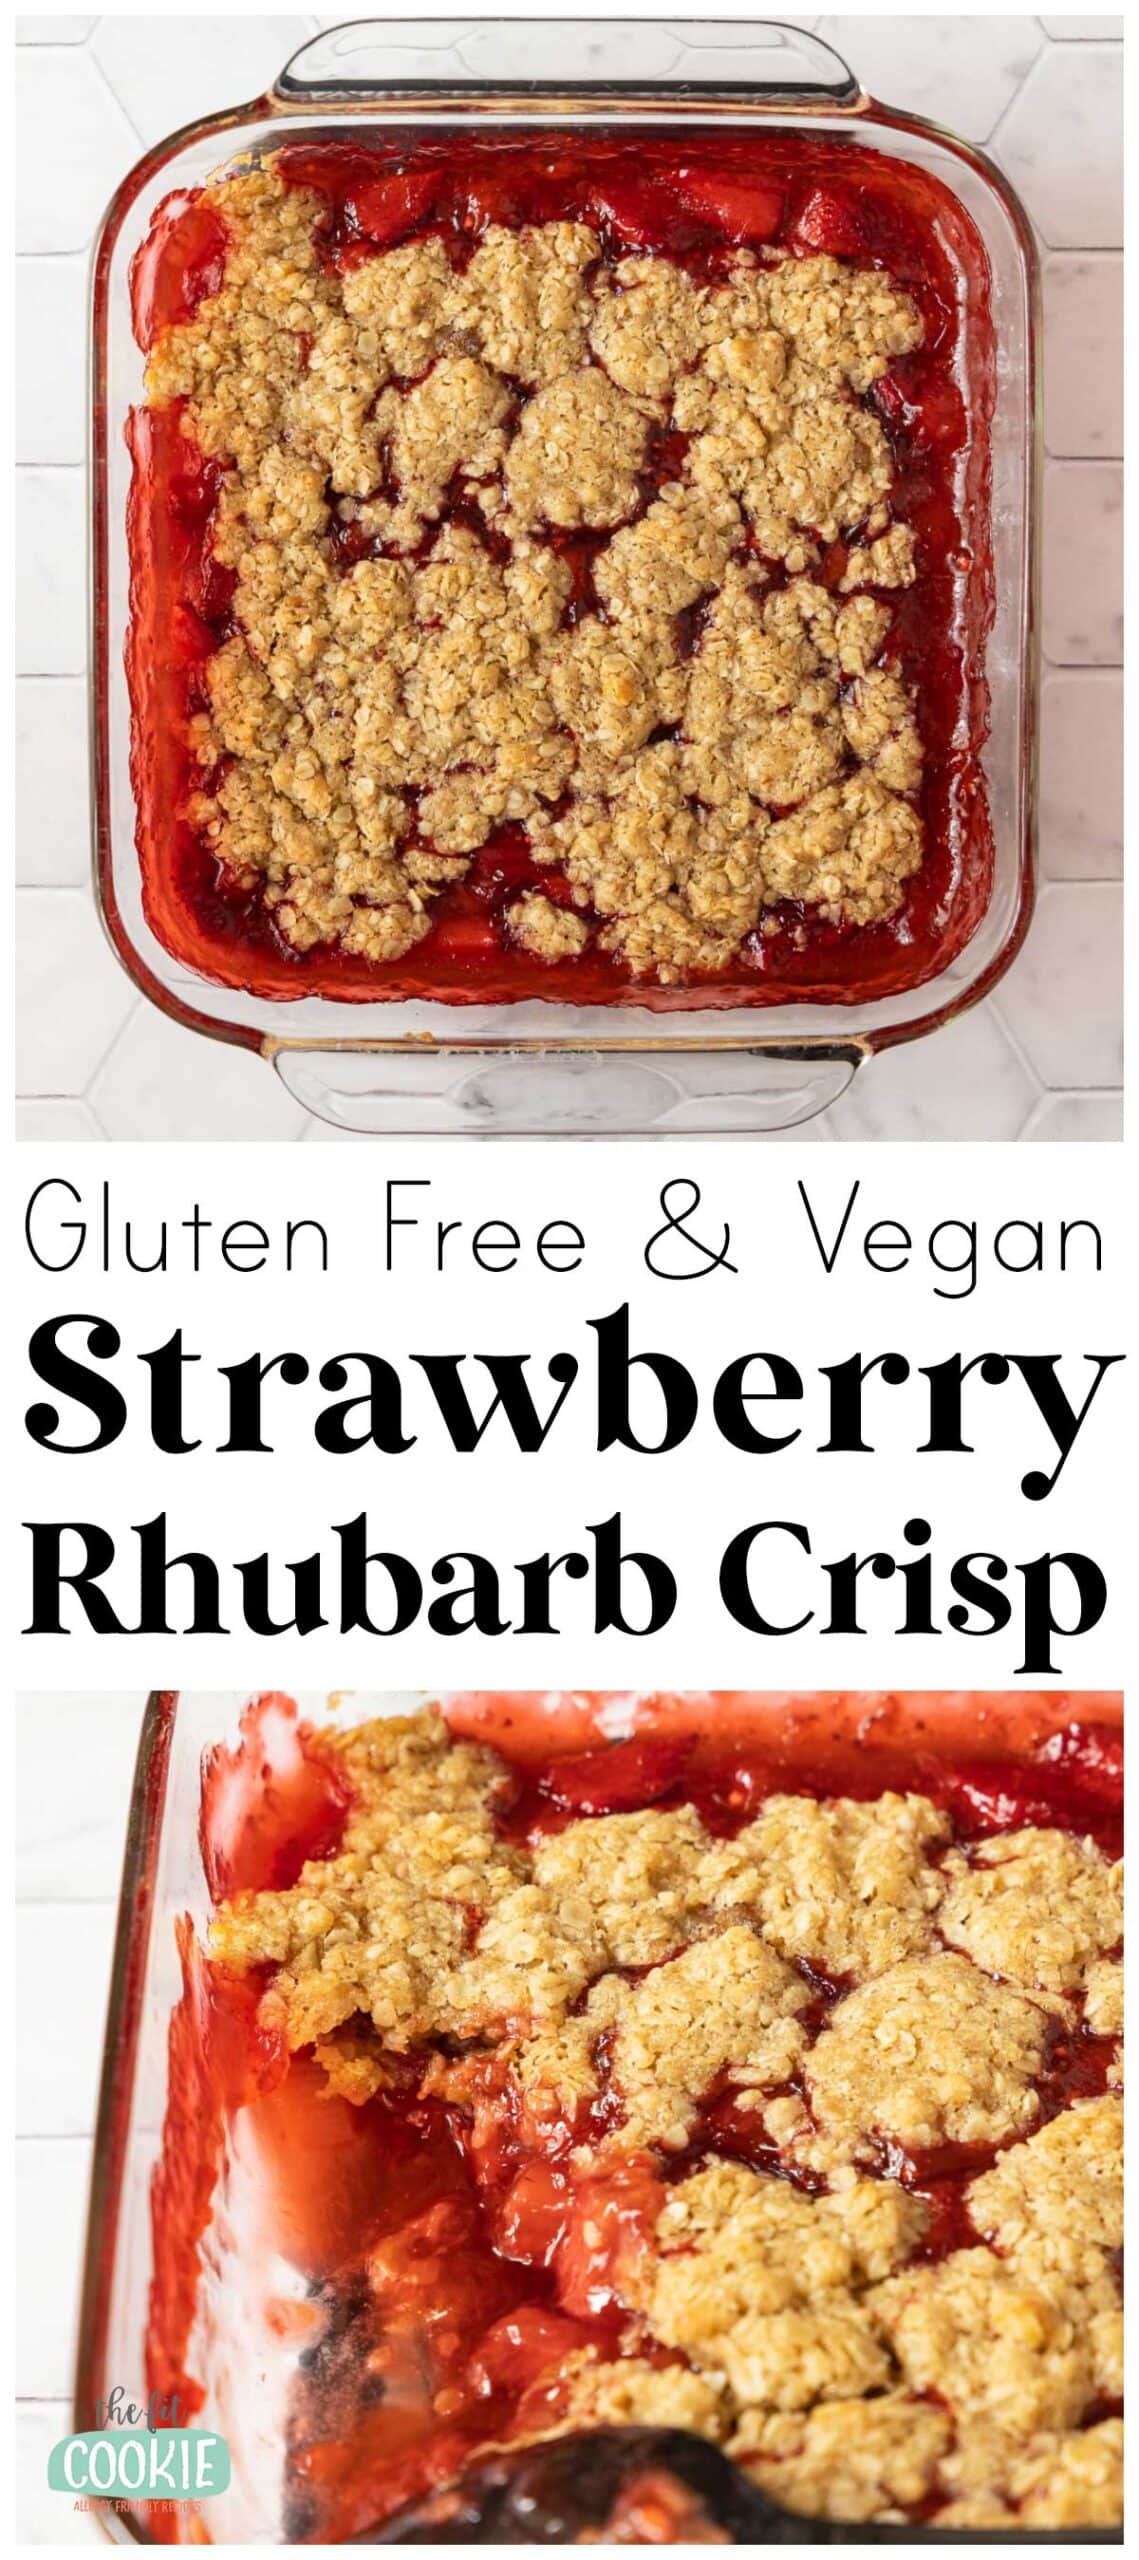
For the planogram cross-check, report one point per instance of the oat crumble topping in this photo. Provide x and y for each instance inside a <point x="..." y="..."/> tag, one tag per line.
<point x="373" y="720"/>
<point x="623" y="1972"/>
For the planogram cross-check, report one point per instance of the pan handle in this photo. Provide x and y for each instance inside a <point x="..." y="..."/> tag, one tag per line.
<point x="762" y="60"/>
<point x="567" y="1094"/>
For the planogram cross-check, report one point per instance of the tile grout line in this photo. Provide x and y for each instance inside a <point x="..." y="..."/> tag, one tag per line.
<point x="106" y="1055"/>
<point x="112" y="92"/>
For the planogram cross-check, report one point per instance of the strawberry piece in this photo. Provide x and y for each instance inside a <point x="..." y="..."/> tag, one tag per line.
<point x="618" y="1778"/>
<point x="612" y="2217"/>
<point x="830" y="226"/>
<point x="1093" y="1751"/>
<point x="533" y="2215"/>
<point x="467" y="937"/>
<point x="892" y="402"/>
<point x="386" y="209"/>
<point x="1003" y="1795"/>
<point x="525" y="2345"/>
<point x="735" y="207"/>
<point x="938" y="416"/>
<point x="641" y="215"/>
<point x="930" y="411"/>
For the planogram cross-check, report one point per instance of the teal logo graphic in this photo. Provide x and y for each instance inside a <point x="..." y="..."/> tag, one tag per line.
<point x="140" y="2463"/>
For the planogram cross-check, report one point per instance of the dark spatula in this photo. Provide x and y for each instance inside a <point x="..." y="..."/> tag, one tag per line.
<point x="571" y="2488"/>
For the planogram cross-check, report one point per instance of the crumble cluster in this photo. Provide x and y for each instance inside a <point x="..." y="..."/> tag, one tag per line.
<point x="619" y="1973"/>
<point x="709" y="731"/>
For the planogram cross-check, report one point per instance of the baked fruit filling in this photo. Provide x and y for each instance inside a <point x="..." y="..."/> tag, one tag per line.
<point x="671" y="2095"/>
<point x="544" y="574"/>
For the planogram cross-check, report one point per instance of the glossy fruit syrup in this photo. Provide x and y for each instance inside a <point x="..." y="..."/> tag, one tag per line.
<point x="443" y="2268"/>
<point x="694" y="197"/>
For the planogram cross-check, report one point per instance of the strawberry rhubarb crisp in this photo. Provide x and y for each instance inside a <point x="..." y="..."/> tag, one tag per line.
<point x="566" y="590"/>
<point x="679" y="2087"/>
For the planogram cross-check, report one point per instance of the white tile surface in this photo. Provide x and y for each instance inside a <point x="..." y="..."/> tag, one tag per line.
<point x="73" y="144"/>
<point x="53" y="839"/>
<point x="57" y="1123"/>
<point x="75" y="1759"/>
<point x="162" y="1082"/>
<point x="963" y="1082"/>
<point x="1081" y="30"/>
<point x="1083" y="353"/>
<point x="1063" y="995"/>
<point x="33" y="30"/>
<point x="51" y="2212"/>
<point x="1083" y="566"/>
<point x="199" y="65"/>
<point x="1077" y="1118"/>
<point x="51" y="593"/>
<point x="1062" y="145"/>
<point x="63" y="1968"/>
<point x="51" y="406"/>
<point x="1046" y="90"/>
<point x="961" y="77"/>
<point x="1081" y="778"/>
<point x="71" y="994"/>
<point x="42" y="2514"/>
<point x="74" y="1763"/>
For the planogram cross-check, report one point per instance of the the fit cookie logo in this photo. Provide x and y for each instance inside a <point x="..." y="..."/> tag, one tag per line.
<point x="138" y="2453"/>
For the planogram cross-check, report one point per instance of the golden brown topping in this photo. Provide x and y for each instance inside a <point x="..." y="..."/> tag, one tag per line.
<point x="855" y="2461"/>
<point x="647" y="326"/>
<point x="553" y="933"/>
<point x="575" y="457"/>
<point x="1010" y="2351"/>
<point x="887" y="562"/>
<point x="1064" y="2183"/>
<point x="1035" y="1906"/>
<point x="930" y="2052"/>
<point x="848" y="1886"/>
<point x="530" y="382"/>
<point x="522" y="299"/>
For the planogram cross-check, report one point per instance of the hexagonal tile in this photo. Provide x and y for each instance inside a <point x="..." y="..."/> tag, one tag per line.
<point x="1081" y="774"/>
<point x="931" y="67"/>
<point x="1076" y="1119"/>
<point x="51" y="583"/>
<point x="965" y="1081"/>
<point x="1081" y="30"/>
<point x="53" y="843"/>
<point x="163" y="1082"/>
<point x="1083" y="354"/>
<point x="52" y="2180"/>
<point x="56" y="1124"/>
<point x="51" y="397"/>
<point x="73" y="144"/>
<point x="1063" y="996"/>
<point x="194" y="67"/>
<point x="1062" y="145"/>
<point x="53" y="30"/>
<point x="1083" y="564"/>
<point x="39" y="2424"/>
<point x="71" y="994"/>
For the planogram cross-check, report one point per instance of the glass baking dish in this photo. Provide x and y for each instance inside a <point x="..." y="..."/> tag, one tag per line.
<point x="244" y="2348"/>
<point x="553" y="1068"/>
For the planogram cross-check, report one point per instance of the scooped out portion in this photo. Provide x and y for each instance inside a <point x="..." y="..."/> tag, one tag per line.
<point x="785" y="2118"/>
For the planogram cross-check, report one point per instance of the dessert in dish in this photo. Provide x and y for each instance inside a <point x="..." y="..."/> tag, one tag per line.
<point x="563" y="570"/>
<point x="705" y="2080"/>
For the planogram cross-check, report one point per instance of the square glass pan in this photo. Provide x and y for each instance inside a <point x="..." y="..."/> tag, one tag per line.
<point x="535" y="1068"/>
<point x="245" y="2367"/>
